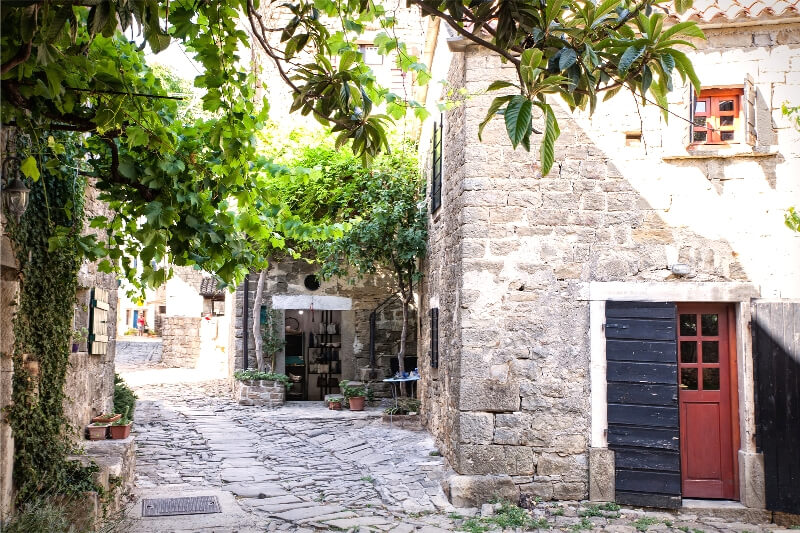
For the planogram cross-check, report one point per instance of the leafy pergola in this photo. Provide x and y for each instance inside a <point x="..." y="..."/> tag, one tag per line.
<point x="199" y="186"/>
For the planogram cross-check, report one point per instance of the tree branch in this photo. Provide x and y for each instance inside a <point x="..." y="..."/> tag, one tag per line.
<point x="21" y="56"/>
<point x="454" y="24"/>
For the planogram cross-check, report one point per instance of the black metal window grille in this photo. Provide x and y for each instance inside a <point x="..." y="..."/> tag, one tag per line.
<point x="435" y="337"/>
<point x="436" y="171"/>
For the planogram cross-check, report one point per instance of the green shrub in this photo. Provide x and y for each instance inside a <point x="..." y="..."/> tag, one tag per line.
<point x="124" y="397"/>
<point x="41" y="516"/>
<point x="246" y="375"/>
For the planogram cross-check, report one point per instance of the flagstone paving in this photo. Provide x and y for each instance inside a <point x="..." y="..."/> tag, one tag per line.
<point x="304" y="468"/>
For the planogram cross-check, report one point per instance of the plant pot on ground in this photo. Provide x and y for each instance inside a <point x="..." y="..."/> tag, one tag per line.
<point x="335" y="405"/>
<point x="357" y="403"/>
<point x="97" y="430"/>
<point x="354" y="394"/>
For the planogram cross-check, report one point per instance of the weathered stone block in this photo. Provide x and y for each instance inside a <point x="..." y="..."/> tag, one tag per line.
<point x="475" y="428"/>
<point x="494" y="459"/>
<point x="569" y="491"/>
<point x="601" y="475"/>
<point x="473" y="491"/>
<point x="490" y="396"/>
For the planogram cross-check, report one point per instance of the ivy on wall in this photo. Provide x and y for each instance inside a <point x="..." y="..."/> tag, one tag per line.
<point x="43" y="323"/>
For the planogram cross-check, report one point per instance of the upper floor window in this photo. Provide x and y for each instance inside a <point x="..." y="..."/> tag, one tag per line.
<point x="436" y="171"/>
<point x="370" y="54"/>
<point x="717" y="117"/>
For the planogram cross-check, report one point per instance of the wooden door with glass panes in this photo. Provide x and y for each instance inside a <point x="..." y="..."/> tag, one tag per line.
<point x="706" y="362"/>
<point x="716" y="118"/>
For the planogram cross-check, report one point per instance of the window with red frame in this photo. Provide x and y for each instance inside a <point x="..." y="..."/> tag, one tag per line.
<point x="717" y="117"/>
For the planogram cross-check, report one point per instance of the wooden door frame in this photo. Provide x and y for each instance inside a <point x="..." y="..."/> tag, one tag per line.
<point x="727" y="313"/>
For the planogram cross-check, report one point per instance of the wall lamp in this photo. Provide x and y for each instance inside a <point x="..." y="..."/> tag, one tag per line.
<point x="14" y="192"/>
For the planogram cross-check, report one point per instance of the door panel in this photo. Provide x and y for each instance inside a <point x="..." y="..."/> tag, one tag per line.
<point x="642" y="391"/>
<point x="706" y="410"/>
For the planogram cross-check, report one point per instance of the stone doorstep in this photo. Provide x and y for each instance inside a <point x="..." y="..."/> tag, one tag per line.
<point x="727" y="510"/>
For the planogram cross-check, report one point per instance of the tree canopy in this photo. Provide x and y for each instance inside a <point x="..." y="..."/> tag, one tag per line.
<point x="189" y="190"/>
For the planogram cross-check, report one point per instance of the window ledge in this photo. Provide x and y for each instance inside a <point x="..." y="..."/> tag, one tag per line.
<point x="711" y="152"/>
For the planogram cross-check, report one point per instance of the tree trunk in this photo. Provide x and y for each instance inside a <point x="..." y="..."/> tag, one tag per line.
<point x="257" y="320"/>
<point x="401" y="355"/>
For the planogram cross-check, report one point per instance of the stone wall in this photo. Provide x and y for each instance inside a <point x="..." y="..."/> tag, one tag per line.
<point x="180" y="336"/>
<point x="512" y="252"/>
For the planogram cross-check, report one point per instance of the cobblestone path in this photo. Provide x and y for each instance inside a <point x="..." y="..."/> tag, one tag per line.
<point x="304" y="468"/>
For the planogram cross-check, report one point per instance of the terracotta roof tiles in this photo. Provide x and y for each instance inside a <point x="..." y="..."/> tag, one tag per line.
<point x="729" y="10"/>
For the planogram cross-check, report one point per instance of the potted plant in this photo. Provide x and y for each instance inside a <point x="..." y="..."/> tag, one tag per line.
<point x="79" y="336"/>
<point x="121" y="429"/>
<point x="335" y="404"/>
<point x="97" y="430"/>
<point x="106" y="418"/>
<point x="355" y="395"/>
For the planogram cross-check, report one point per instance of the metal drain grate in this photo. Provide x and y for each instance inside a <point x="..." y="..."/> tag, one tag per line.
<point x="179" y="506"/>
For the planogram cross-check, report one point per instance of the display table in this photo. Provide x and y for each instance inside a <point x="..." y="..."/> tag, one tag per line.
<point x="397" y="384"/>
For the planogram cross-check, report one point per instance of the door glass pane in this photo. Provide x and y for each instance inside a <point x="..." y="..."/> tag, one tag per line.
<point x="726" y="105"/>
<point x="710" y="351"/>
<point x="726" y="121"/>
<point x="688" y="325"/>
<point x="699" y="136"/>
<point x="700" y="106"/>
<point x="689" y="378"/>
<point x="710" y="378"/>
<point x="709" y="325"/>
<point x="689" y="351"/>
<point x="726" y="135"/>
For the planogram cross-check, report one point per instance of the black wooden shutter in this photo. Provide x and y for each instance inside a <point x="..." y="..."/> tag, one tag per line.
<point x="435" y="337"/>
<point x="98" y="322"/>
<point x="776" y="351"/>
<point x="642" y="376"/>
<point x="436" y="171"/>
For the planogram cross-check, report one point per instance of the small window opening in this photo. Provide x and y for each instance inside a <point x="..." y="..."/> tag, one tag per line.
<point x="633" y="138"/>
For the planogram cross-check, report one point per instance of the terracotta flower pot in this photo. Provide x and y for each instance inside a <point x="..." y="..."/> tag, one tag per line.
<point x="357" y="403"/>
<point x="335" y="406"/>
<point x="97" y="432"/>
<point x="121" y="432"/>
<point x="106" y="419"/>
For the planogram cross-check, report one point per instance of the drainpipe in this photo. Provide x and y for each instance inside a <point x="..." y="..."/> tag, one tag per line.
<point x="245" y="319"/>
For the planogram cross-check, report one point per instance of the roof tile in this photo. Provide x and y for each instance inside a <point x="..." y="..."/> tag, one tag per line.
<point x="721" y="10"/>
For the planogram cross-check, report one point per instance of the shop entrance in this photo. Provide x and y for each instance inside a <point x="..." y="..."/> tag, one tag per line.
<point x="313" y="353"/>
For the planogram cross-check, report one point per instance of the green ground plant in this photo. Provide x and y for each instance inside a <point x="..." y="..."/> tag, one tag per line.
<point x="645" y="522"/>
<point x="508" y="516"/>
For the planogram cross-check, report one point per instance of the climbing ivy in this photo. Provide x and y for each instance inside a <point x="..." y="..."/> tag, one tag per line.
<point x="43" y="324"/>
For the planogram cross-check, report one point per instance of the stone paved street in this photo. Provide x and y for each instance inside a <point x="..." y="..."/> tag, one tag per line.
<point x="305" y="468"/>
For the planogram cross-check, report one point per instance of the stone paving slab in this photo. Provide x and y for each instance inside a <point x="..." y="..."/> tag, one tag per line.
<point x="303" y="468"/>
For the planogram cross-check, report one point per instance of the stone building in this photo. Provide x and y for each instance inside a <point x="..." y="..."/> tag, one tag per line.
<point x="568" y="310"/>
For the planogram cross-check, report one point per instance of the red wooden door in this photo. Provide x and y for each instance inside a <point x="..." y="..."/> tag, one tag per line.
<point x="706" y="379"/>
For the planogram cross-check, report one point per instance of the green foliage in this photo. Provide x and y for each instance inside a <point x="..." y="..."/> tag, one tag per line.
<point x="508" y="516"/>
<point x="404" y="406"/>
<point x="124" y="397"/>
<point x="43" y="321"/>
<point x="584" y="524"/>
<point x="645" y="522"/>
<point x="247" y="375"/>
<point x="607" y="510"/>
<point x="352" y="391"/>
<point x="792" y="216"/>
